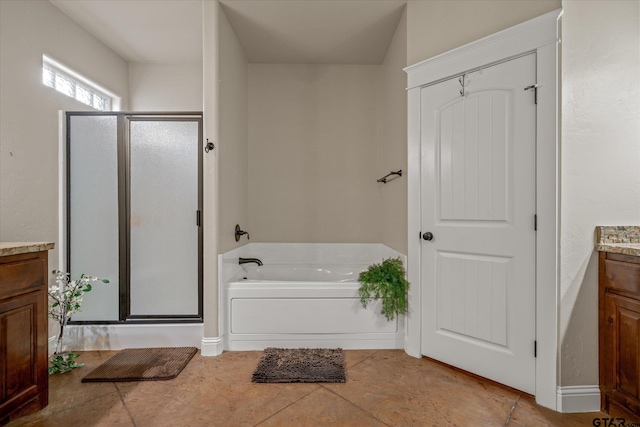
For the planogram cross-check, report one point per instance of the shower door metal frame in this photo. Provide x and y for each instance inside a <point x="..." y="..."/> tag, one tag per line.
<point x="124" y="213"/>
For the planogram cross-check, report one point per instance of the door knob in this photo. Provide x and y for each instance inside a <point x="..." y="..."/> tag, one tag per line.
<point x="428" y="236"/>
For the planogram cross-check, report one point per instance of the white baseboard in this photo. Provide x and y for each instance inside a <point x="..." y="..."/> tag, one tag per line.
<point x="582" y="398"/>
<point x="211" y="346"/>
<point x="117" y="337"/>
<point x="51" y="344"/>
<point x="411" y="349"/>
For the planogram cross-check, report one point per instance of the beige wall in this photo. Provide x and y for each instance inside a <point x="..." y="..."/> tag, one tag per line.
<point x="210" y="113"/>
<point x="314" y="148"/>
<point x="165" y="87"/>
<point x="29" y="161"/>
<point x="234" y="138"/>
<point x="600" y="161"/>
<point x="394" y="141"/>
<point x="436" y="26"/>
<point x="293" y="204"/>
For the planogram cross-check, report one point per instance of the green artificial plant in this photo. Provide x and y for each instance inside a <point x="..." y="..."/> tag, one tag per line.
<point x="385" y="281"/>
<point x="65" y="298"/>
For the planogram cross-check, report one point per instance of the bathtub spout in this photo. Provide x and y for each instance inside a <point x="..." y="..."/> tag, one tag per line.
<point x="248" y="260"/>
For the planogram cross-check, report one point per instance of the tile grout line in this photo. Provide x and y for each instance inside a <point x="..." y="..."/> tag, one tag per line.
<point x="347" y="400"/>
<point x="356" y="364"/>
<point x="319" y="387"/>
<point x="285" y="407"/>
<point x="513" y="408"/>
<point x="353" y="404"/>
<point x="69" y="408"/>
<point x="133" y="421"/>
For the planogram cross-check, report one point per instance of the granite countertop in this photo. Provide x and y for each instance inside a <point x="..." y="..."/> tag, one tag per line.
<point x="618" y="239"/>
<point x="16" y="248"/>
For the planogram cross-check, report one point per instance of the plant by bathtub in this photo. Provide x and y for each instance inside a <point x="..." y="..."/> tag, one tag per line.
<point x="65" y="298"/>
<point x="385" y="281"/>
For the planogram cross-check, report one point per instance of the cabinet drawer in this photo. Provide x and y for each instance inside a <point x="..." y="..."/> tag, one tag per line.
<point x="22" y="274"/>
<point x="622" y="276"/>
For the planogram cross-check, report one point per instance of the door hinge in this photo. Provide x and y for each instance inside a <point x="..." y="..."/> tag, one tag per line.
<point x="535" y="349"/>
<point x="198" y="218"/>
<point x="535" y="92"/>
<point x="535" y="222"/>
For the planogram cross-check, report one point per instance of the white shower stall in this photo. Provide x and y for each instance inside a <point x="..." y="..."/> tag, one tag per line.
<point x="134" y="208"/>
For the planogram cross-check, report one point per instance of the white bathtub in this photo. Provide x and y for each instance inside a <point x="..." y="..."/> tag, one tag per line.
<point x="304" y="304"/>
<point x="299" y="273"/>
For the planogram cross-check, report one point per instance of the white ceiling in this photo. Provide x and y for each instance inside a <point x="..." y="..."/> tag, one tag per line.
<point x="320" y="31"/>
<point x="162" y="31"/>
<point x="270" y="31"/>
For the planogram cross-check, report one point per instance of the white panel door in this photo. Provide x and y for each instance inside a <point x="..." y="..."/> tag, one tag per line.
<point x="478" y="202"/>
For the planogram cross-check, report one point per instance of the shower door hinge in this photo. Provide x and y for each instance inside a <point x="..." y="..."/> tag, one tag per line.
<point x="198" y="218"/>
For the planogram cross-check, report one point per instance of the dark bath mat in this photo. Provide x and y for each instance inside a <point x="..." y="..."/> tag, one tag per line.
<point x="143" y="364"/>
<point x="300" y="365"/>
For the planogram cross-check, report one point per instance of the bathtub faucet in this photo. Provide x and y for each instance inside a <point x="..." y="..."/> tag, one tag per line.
<point x="248" y="260"/>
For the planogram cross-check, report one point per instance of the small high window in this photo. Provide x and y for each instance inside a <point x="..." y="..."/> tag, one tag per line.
<point x="72" y="84"/>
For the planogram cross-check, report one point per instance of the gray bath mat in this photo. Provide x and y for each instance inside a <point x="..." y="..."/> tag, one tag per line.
<point x="143" y="364"/>
<point x="301" y="365"/>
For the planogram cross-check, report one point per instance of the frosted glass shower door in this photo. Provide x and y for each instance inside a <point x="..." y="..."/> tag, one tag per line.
<point x="93" y="212"/>
<point x="163" y="207"/>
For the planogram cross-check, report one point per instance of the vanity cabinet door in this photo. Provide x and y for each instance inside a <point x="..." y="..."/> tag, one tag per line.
<point x="622" y="357"/>
<point x="24" y="380"/>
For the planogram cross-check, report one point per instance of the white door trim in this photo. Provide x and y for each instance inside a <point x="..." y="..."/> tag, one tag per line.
<point x="538" y="35"/>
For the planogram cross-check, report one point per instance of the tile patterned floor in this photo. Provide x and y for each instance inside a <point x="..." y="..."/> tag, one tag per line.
<point x="383" y="388"/>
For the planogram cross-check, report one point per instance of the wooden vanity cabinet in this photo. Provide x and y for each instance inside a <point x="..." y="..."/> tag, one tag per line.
<point x="23" y="335"/>
<point x="619" y="333"/>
